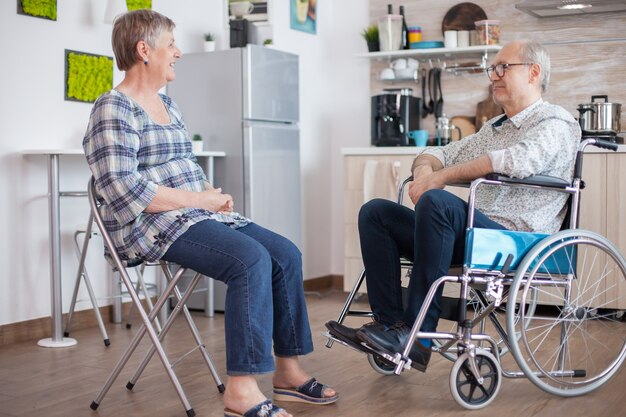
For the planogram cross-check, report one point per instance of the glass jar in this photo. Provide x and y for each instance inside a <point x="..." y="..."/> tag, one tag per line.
<point x="390" y="32"/>
<point x="488" y="32"/>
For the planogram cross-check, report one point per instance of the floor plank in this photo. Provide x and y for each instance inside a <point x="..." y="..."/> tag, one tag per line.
<point x="63" y="382"/>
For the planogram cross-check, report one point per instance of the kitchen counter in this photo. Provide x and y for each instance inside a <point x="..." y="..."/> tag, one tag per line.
<point x="412" y="150"/>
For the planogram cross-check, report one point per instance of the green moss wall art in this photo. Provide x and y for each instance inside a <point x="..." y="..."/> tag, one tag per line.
<point x="138" y="4"/>
<point x="45" y="9"/>
<point x="87" y="76"/>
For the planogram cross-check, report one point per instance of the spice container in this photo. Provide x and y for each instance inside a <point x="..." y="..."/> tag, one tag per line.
<point x="488" y="32"/>
<point x="415" y="34"/>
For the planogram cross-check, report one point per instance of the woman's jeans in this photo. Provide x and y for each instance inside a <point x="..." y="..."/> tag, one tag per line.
<point x="432" y="237"/>
<point x="264" y="300"/>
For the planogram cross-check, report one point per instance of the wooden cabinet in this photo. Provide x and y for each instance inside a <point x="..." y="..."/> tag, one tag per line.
<point x="390" y="171"/>
<point x="603" y="173"/>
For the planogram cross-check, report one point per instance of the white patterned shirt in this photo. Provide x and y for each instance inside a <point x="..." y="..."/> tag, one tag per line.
<point x="540" y="140"/>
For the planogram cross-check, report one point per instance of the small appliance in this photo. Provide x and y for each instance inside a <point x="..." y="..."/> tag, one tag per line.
<point x="238" y="33"/>
<point x="394" y="113"/>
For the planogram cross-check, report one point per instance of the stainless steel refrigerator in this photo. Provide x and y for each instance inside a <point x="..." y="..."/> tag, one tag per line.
<point x="244" y="101"/>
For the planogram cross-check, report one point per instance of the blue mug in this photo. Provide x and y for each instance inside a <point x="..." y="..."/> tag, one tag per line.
<point x="420" y="137"/>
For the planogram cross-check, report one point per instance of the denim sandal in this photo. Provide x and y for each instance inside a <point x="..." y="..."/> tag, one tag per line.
<point x="264" y="409"/>
<point x="311" y="392"/>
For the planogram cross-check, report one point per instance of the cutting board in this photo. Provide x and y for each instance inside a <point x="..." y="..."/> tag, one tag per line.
<point x="486" y="110"/>
<point x="462" y="17"/>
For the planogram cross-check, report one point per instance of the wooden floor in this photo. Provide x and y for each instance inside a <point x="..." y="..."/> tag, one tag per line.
<point x="63" y="382"/>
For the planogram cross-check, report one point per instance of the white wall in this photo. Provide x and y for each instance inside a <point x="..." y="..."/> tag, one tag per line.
<point x="334" y="113"/>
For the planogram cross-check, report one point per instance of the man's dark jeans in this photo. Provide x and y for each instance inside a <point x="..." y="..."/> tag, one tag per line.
<point x="432" y="236"/>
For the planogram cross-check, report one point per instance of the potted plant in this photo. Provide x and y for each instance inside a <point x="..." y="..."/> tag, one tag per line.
<point x="268" y="42"/>
<point x="196" y="144"/>
<point x="370" y="34"/>
<point x="209" y="42"/>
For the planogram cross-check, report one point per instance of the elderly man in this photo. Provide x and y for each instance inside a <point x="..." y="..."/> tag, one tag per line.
<point x="533" y="137"/>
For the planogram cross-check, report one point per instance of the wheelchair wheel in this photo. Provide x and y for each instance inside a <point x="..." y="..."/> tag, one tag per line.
<point x="574" y="342"/>
<point x="449" y="325"/>
<point x="466" y="390"/>
<point x="380" y="365"/>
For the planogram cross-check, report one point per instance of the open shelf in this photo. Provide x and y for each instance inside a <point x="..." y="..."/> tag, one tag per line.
<point x="465" y="52"/>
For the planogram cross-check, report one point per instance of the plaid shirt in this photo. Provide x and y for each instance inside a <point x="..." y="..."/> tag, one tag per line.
<point x="129" y="155"/>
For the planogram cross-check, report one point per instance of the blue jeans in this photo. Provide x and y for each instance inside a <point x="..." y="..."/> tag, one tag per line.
<point x="432" y="236"/>
<point x="264" y="300"/>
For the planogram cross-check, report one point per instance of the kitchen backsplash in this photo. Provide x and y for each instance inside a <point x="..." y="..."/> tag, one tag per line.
<point x="584" y="59"/>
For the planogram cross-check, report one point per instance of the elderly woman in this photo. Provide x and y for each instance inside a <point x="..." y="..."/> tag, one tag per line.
<point x="158" y="205"/>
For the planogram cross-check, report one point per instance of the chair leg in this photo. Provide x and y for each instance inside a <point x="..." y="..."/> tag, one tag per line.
<point x="146" y="327"/>
<point x="82" y="272"/>
<point x="141" y="287"/>
<point x="180" y="306"/>
<point x="346" y="306"/>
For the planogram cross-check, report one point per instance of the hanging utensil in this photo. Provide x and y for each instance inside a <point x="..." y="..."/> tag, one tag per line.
<point x="426" y="110"/>
<point x="438" y="106"/>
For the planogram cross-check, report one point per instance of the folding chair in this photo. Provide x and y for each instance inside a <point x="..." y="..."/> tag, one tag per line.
<point x="147" y="319"/>
<point x="81" y="274"/>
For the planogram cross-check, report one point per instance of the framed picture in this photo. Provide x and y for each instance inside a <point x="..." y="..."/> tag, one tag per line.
<point x="44" y="9"/>
<point x="303" y="16"/>
<point x="87" y="76"/>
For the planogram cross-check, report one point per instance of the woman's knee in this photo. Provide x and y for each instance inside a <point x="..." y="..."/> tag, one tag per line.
<point x="250" y="259"/>
<point x="287" y="254"/>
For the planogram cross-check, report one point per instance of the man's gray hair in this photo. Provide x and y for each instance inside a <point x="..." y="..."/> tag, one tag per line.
<point x="536" y="53"/>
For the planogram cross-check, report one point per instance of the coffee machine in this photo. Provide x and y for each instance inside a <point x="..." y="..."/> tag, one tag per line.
<point x="238" y="33"/>
<point x="395" y="112"/>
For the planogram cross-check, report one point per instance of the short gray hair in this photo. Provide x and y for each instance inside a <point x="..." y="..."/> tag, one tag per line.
<point x="536" y="53"/>
<point x="132" y="27"/>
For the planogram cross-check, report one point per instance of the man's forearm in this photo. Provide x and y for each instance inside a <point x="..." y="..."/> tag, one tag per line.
<point x="467" y="171"/>
<point x="426" y="160"/>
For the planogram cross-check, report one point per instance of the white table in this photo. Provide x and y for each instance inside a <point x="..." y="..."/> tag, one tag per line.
<point x="54" y="221"/>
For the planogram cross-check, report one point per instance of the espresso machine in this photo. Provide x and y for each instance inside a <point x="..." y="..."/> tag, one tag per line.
<point x="395" y="112"/>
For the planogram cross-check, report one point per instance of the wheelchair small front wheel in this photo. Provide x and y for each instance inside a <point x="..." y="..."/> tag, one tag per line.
<point x="466" y="389"/>
<point x="380" y="365"/>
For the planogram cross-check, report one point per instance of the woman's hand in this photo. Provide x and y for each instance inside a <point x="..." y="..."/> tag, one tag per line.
<point x="214" y="200"/>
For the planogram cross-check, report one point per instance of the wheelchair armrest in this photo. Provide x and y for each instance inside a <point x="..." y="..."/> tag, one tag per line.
<point x="538" y="180"/>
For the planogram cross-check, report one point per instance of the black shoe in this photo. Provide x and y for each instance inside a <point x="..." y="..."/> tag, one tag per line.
<point x="348" y="334"/>
<point x="392" y="340"/>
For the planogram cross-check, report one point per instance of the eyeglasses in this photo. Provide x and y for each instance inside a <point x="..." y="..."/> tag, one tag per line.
<point x="501" y="68"/>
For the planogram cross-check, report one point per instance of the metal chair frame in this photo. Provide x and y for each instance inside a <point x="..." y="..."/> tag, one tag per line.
<point x="148" y="319"/>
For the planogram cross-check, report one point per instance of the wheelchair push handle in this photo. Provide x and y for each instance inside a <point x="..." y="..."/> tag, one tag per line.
<point x="599" y="143"/>
<point x="605" y="144"/>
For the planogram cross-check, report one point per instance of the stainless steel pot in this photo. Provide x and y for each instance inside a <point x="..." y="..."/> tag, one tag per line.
<point x="599" y="117"/>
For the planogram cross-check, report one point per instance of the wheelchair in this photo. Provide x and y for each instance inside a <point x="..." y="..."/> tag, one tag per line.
<point x="556" y="302"/>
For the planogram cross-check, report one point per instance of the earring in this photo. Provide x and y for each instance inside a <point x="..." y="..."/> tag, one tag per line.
<point x="145" y="62"/>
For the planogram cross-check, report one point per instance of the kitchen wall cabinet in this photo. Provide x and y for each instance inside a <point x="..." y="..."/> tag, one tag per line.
<point x="600" y="204"/>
